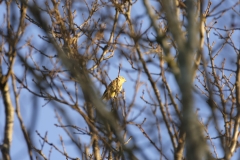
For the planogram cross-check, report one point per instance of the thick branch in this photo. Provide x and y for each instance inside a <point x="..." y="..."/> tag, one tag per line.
<point x="9" y="119"/>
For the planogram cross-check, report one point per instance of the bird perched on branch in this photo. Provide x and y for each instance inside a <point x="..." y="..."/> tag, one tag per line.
<point x="100" y="33"/>
<point x="114" y="88"/>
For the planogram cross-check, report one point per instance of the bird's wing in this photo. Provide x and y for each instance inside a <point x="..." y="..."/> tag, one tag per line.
<point x="110" y="88"/>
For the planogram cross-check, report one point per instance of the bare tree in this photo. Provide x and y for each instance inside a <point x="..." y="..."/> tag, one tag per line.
<point x="180" y="59"/>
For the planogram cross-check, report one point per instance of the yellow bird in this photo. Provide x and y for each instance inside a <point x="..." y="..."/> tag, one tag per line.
<point x="114" y="88"/>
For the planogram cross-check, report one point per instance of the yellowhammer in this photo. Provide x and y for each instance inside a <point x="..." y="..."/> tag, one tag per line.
<point x="114" y="88"/>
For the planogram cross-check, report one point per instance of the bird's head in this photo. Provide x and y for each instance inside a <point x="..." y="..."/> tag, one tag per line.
<point x="121" y="79"/>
